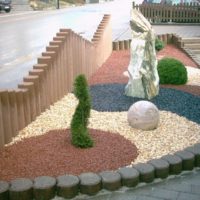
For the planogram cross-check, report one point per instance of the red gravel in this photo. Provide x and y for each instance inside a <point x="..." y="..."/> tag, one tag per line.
<point x="52" y="154"/>
<point x="112" y="70"/>
<point x="173" y="52"/>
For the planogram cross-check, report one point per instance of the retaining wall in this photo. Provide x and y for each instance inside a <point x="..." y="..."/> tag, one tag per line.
<point x="66" y="56"/>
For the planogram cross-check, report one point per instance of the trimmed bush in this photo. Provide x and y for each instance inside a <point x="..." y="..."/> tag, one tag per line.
<point x="159" y="44"/>
<point x="172" y="71"/>
<point x="79" y="131"/>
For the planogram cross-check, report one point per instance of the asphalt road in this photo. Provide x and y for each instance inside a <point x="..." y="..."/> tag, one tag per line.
<point x="24" y="36"/>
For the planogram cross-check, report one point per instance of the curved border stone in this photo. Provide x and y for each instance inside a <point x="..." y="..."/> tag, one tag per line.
<point x="195" y="149"/>
<point x="111" y="180"/>
<point x="147" y="172"/>
<point x="90" y="183"/>
<point x="67" y="186"/>
<point x="187" y="159"/>
<point x="4" y="190"/>
<point x="129" y="176"/>
<point x="21" y="189"/>
<point x="175" y="163"/>
<point x="161" y="167"/>
<point x="44" y="187"/>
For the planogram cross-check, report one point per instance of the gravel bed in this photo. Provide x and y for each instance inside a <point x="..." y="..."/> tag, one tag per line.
<point x="174" y="132"/>
<point x="179" y="125"/>
<point x="111" y="98"/>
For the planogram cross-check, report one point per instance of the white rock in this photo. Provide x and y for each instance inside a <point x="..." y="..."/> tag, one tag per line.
<point x="142" y="70"/>
<point x="143" y="115"/>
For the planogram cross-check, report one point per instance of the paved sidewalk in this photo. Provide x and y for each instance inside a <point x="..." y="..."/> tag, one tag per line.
<point x="183" y="187"/>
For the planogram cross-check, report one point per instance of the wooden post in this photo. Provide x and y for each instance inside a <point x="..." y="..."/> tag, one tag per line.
<point x="57" y="45"/>
<point x="61" y="56"/>
<point x="126" y="44"/>
<point x="30" y="87"/>
<point x="48" y="61"/>
<point x="121" y="45"/>
<point x="14" y="112"/>
<point x="39" y="74"/>
<point x="64" y="58"/>
<point x="6" y="116"/>
<point x="50" y="74"/>
<point x="36" y="97"/>
<point x="2" y="132"/>
<point x="69" y="61"/>
<point x="44" y="104"/>
<point x="20" y="109"/>
<point x="27" y="109"/>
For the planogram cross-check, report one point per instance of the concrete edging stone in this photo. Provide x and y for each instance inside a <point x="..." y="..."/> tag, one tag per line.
<point x="68" y="186"/>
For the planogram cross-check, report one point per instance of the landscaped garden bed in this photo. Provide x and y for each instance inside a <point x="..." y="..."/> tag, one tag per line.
<point x="44" y="147"/>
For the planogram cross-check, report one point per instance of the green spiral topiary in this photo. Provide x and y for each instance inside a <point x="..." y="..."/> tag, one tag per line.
<point x="172" y="71"/>
<point x="79" y="131"/>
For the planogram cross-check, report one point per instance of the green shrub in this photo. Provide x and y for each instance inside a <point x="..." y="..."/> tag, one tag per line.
<point x="172" y="71"/>
<point x="79" y="131"/>
<point x="159" y="44"/>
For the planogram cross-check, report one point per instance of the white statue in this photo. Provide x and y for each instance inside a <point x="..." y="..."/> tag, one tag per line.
<point x="142" y="70"/>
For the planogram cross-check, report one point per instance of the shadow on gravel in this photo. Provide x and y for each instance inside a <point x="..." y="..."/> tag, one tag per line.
<point x="111" y="98"/>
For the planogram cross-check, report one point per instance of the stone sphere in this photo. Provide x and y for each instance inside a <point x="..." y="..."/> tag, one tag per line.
<point x="143" y="115"/>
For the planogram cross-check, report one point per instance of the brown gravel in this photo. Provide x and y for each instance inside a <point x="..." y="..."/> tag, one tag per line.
<point x="52" y="154"/>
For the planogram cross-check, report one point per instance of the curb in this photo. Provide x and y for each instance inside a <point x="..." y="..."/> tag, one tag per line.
<point x="69" y="186"/>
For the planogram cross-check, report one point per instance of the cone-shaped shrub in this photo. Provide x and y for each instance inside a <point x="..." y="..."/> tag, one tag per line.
<point x="80" y="135"/>
<point x="172" y="71"/>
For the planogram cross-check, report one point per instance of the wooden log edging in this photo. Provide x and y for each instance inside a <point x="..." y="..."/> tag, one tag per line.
<point x="69" y="186"/>
<point x="125" y="44"/>
<point x="66" y="56"/>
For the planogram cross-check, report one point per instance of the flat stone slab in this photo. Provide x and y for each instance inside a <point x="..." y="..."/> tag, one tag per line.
<point x="187" y="159"/>
<point x="161" y="167"/>
<point x="196" y="151"/>
<point x="67" y="186"/>
<point x="44" y="187"/>
<point x="90" y="183"/>
<point x="110" y="180"/>
<point x="4" y="190"/>
<point x="21" y="189"/>
<point x="147" y="172"/>
<point x="129" y="176"/>
<point x="175" y="163"/>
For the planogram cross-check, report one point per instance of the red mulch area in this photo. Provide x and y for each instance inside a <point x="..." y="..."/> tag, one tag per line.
<point x="52" y="155"/>
<point x="112" y="70"/>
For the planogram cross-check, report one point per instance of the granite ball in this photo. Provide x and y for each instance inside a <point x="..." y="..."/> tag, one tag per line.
<point x="143" y="115"/>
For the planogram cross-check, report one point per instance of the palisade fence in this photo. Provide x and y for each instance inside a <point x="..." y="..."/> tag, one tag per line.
<point x="52" y="77"/>
<point x="181" y="13"/>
